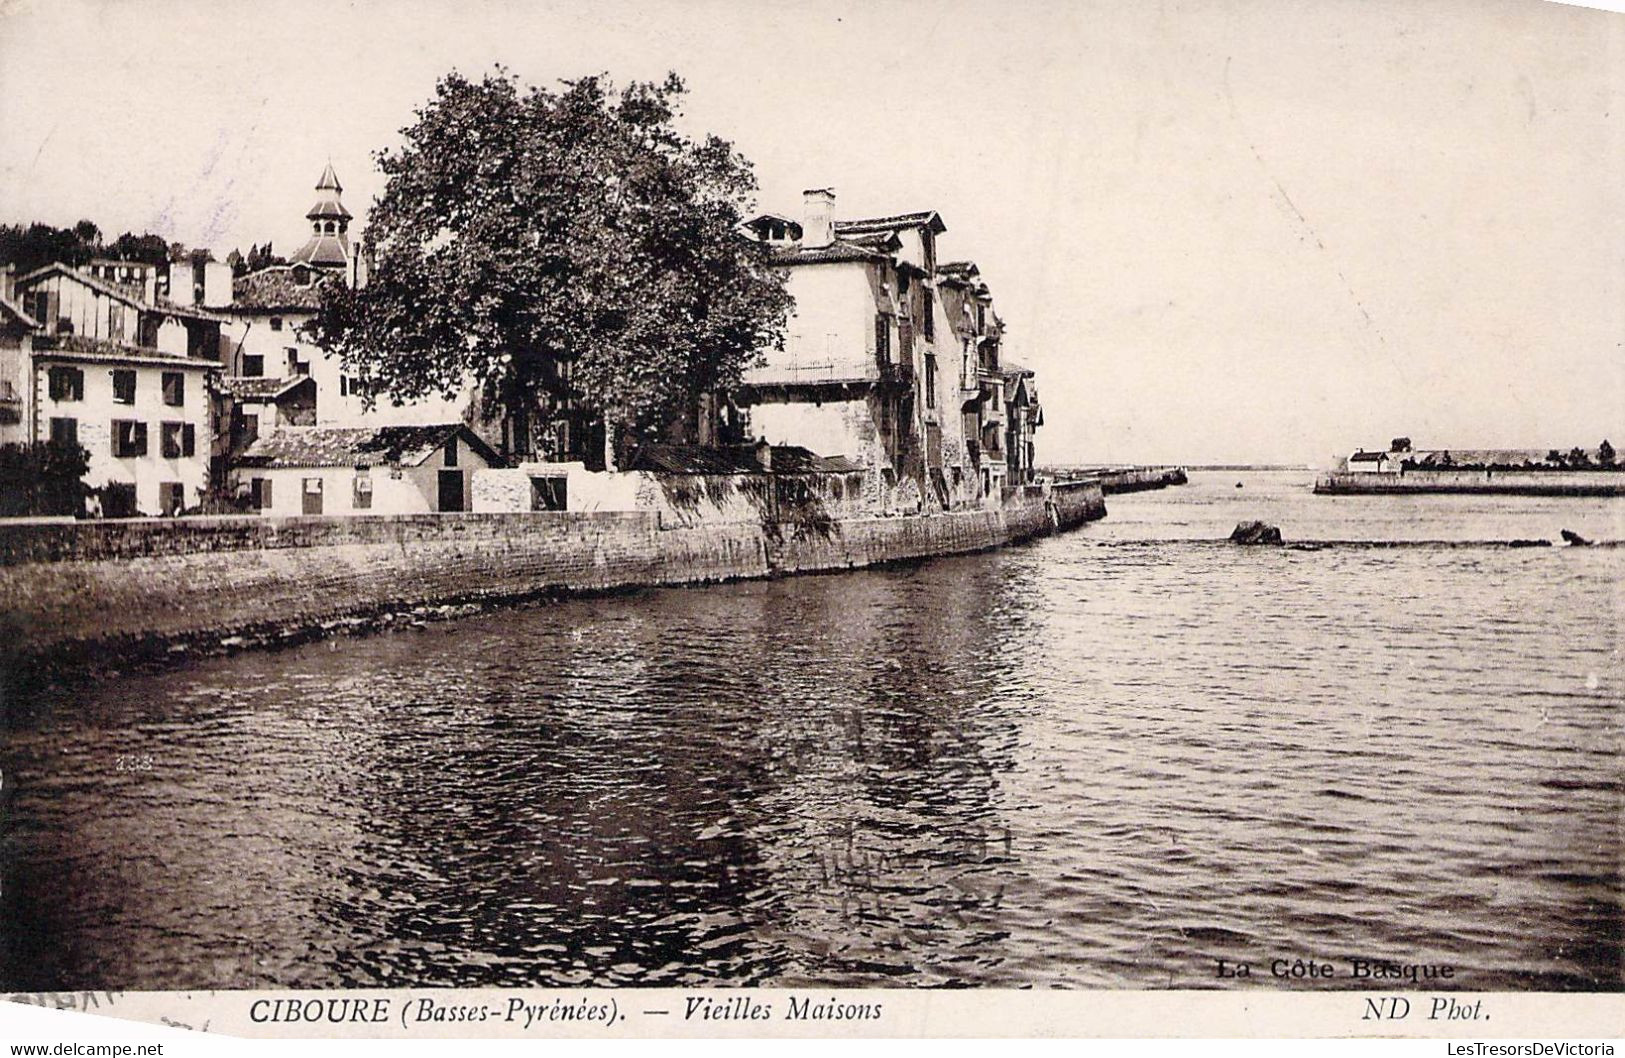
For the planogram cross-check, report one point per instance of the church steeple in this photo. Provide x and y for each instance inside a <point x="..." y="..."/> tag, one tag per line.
<point x="329" y="245"/>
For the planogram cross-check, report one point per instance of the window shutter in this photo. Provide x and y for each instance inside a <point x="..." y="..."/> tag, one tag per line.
<point x="188" y="440"/>
<point x="140" y="438"/>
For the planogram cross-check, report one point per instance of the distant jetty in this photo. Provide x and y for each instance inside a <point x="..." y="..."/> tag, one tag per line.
<point x="1483" y="482"/>
<point x="1114" y="480"/>
<point x="1402" y="470"/>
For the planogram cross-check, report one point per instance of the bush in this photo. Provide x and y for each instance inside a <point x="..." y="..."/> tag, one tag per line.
<point x="42" y="478"/>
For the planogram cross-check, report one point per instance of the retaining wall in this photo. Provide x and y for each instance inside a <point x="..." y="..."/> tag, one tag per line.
<point x="99" y="593"/>
<point x="1488" y="482"/>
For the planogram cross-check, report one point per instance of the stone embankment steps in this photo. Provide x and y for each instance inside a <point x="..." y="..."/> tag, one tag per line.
<point x="87" y="593"/>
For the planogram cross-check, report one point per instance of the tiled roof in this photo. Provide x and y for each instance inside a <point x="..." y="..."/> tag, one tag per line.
<point x="959" y="269"/>
<point x="736" y="459"/>
<point x="261" y="389"/>
<point x="350" y="446"/>
<point x="922" y="219"/>
<point x="75" y="347"/>
<point x="885" y="239"/>
<point x="1013" y="368"/>
<point x="324" y="250"/>
<point x="836" y="252"/>
<point x="1368" y="457"/>
<point x="275" y="288"/>
<point x="328" y="207"/>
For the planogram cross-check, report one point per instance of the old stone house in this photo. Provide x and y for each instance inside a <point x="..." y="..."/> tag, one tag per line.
<point x="891" y="359"/>
<point x="337" y="470"/>
<point x="125" y="373"/>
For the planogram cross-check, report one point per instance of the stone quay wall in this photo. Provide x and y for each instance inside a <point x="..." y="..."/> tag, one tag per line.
<point x="1486" y="482"/>
<point x="96" y="595"/>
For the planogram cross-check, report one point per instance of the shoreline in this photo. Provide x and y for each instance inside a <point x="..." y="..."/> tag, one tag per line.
<point x="152" y="592"/>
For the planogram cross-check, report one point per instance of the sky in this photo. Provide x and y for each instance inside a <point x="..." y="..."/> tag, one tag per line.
<point x="1237" y="231"/>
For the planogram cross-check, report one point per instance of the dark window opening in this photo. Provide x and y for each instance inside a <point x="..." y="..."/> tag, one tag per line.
<point x="129" y="438"/>
<point x="174" y="389"/>
<point x="451" y="451"/>
<point x="549" y="494"/>
<point x="123" y="386"/>
<point x="276" y="323"/>
<point x="171" y="498"/>
<point x="253" y="365"/>
<point x="67" y="383"/>
<point x="169" y="439"/>
<point x="65" y="431"/>
<point x="362" y="499"/>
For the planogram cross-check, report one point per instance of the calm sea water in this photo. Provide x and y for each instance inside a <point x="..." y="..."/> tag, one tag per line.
<point x="1107" y="759"/>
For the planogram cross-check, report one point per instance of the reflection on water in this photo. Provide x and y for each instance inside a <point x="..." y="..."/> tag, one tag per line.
<point x="1062" y="764"/>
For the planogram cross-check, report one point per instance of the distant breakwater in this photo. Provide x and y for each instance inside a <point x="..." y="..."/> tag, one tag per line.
<point x="1116" y="480"/>
<point x="1484" y="482"/>
<point x="88" y="597"/>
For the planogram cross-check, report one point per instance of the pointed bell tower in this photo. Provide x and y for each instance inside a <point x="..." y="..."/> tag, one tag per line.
<point x="329" y="245"/>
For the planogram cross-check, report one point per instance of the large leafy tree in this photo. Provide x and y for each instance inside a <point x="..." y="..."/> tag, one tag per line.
<point x="570" y="250"/>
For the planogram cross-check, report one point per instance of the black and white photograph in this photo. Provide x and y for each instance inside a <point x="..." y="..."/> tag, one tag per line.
<point x="506" y="505"/>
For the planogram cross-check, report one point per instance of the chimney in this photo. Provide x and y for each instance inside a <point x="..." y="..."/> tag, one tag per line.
<point x="817" y="227"/>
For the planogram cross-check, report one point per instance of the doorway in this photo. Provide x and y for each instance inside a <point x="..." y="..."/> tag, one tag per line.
<point x="451" y="490"/>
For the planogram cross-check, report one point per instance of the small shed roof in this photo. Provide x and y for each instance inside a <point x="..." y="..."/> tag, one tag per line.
<point x="347" y="446"/>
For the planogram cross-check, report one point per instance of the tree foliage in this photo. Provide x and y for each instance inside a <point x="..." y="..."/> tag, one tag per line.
<point x="35" y="245"/>
<point x="570" y="249"/>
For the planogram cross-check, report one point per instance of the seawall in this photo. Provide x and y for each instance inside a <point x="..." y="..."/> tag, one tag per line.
<point x="90" y="595"/>
<point x="1484" y="482"/>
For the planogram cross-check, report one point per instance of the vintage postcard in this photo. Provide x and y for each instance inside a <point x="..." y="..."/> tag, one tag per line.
<point x="850" y="519"/>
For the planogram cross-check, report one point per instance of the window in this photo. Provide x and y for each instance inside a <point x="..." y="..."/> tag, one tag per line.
<point x="188" y="440"/>
<point x="930" y="380"/>
<point x="171" y="498"/>
<point x="362" y="500"/>
<point x="312" y="498"/>
<point x="115" y="322"/>
<point x="928" y="322"/>
<point x="123" y="385"/>
<point x="259" y="493"/>
<point x="65" y="431"/>
<point x="253" y="365"/>
<point x="169" y="439"/>
<point x="549" y="494"/>
<point x="276" y="323"/>
<point x="905" y="339"/>
<point x="451" y="451"/>
<point x="67" y="383"/>
<point x="882" y="337"/>
<point x="129" y="438"/>
<point x="174" y="389"/>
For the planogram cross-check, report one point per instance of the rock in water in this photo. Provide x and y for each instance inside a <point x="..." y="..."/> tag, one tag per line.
<point x="1255" y="533"/>
<point x="1575" y="539"/>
